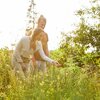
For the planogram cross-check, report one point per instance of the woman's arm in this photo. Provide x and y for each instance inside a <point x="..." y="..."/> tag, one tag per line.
<point x="17" y="51"/>
<point x="41" y="52"/>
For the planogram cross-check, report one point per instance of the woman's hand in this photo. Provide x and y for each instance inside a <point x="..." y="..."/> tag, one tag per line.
<point x="56" y="63"/>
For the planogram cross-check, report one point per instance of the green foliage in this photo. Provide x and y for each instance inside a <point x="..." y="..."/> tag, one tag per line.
<point x="84" y="37"/>
<point x="5" y="67"/>
<point x="88" y="30"/>
<point x="69" y="83"/>
<point x="57" y="55"/>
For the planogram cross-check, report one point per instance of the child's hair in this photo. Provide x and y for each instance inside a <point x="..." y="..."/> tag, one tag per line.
<point x="36" y="32"/>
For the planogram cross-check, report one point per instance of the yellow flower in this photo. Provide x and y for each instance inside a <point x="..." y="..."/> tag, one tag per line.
<point x="42" y="83"/>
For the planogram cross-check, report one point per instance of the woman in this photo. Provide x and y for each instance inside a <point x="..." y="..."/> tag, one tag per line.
<point x="25" y="49"/>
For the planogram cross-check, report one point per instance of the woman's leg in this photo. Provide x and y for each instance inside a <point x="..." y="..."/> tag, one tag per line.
<point x="19" y="71"/>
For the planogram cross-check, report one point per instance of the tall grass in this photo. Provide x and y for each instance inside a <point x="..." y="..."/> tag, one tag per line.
<point x="69" y="83"/>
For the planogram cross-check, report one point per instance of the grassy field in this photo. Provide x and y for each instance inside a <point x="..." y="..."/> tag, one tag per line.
<point x="65" y="83"/>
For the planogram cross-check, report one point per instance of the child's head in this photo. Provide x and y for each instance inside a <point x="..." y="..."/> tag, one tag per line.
<point x="37" y="34"/>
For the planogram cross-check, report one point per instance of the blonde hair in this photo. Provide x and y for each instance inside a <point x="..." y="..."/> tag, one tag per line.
<point x="42" y="18"/>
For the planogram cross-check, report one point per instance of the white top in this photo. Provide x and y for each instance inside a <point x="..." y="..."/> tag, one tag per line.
<point x="41" y="52"/>
<point x="23" y="49"/>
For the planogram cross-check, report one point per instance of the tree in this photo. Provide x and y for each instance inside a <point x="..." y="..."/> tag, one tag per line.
<point x="31" y="14"/>
<point x="85" y="36"/>
<point x="88" y="30"/>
